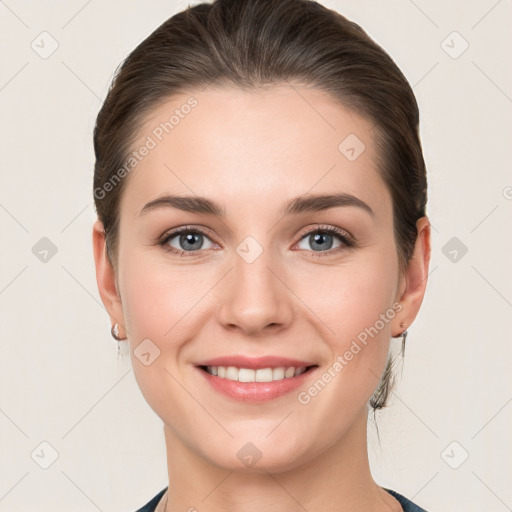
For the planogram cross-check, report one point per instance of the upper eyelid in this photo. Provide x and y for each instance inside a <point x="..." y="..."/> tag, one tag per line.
<point x="184" y="229"/>
<point x="334" y="231"/>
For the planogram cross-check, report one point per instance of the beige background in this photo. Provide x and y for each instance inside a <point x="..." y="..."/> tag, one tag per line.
<point x="59" y="380"/>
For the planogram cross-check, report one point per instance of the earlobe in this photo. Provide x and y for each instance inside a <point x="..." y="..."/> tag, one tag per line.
<point x="415" y="277"/>
<point x="106" y="277"/>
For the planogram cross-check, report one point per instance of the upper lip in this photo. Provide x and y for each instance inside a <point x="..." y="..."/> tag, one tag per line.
<point x="255" y="362"/>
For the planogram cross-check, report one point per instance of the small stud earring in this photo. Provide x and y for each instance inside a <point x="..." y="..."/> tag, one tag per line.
<point x="402" y="335"/>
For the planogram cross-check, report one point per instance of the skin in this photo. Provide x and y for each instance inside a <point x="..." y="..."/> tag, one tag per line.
<point x="252" y="152"/>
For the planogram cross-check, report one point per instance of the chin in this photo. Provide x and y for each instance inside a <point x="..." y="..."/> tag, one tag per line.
<point x="253" y="457"/>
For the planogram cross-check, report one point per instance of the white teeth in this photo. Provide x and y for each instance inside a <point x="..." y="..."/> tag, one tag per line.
<point x="290" y="372"/>
<point x="250" y="375"/>
<point x="278" y="373"/>
<point x="245" y="375"/>
<point x="232" y="373"/>
<point x="263" y="375"/>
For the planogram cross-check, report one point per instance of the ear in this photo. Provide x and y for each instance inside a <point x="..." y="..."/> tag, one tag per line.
<point x="106" y="279"/>
<point x="413" y="283"/>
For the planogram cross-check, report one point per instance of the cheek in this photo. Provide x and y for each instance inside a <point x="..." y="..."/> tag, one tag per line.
<point x="350" y="298"/>
<point x="158" y="297"/>
<point x="167" y="305"/>
<point x="356" y="310"/>
<point x="354" y="306"/>
<point x="161" y="304"/>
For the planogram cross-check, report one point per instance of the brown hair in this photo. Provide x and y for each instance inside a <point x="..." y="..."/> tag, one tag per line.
<point x="258" y="43"/>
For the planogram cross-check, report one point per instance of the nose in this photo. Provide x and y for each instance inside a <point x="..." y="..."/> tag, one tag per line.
<point x="255" y="298"/>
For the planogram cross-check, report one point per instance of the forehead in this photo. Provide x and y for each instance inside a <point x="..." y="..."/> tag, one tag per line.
<point x="248" y="148"/>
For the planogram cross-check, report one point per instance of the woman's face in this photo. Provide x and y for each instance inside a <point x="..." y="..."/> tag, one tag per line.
<point x="263" y="278"/>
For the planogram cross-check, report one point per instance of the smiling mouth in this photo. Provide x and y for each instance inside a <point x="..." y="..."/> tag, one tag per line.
<point x="268" y="374"/>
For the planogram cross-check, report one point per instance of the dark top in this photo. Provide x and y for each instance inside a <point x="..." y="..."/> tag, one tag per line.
<point x="407" y="505"/>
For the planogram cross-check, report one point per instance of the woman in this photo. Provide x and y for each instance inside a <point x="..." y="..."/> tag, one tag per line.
<point x="234" y="142"/>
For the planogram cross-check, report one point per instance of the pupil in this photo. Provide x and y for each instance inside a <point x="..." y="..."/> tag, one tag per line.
<point x="189" y="239"/>
<point x="319" y="239"/>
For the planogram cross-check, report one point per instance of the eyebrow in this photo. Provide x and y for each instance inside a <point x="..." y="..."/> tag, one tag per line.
<point x="301" y="204"/>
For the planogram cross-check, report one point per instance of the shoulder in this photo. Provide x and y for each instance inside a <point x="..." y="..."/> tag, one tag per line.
<point x="151" y="505"/>
<point x="407" y="505"/>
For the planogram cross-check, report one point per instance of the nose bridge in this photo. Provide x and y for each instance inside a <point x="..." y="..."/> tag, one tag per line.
<point x="255" y="298"/>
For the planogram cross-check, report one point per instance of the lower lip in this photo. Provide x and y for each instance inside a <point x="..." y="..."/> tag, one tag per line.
<point x="256" y="391"/>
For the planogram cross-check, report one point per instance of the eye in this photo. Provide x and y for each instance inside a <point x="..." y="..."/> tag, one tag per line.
<point x="186" y="240"/>
<point x="323" y="240"/>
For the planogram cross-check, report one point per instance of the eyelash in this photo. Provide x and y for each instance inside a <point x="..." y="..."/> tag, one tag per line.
<point x="342" y="235"/>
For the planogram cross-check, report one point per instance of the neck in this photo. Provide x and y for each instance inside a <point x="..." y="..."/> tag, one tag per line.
<point x="338" y="479"/>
